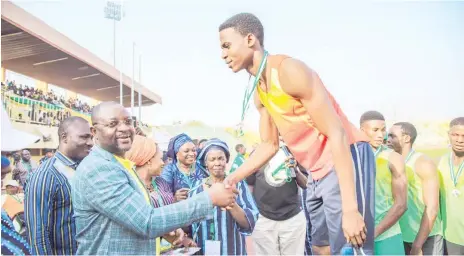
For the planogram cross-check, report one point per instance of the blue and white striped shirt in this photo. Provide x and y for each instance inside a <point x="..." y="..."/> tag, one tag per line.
<point x="223" y="226"/>
<point x="48" y="208"/>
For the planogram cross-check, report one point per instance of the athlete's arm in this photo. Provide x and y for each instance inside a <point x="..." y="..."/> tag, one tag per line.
<point x="266" y="149"/>
<point x="399" y="191"/>
<point x="297" y="80"/>
<point x="427" y="172"/>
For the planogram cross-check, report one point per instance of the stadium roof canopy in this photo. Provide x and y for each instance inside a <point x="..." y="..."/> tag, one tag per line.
<point x="33" y="48"/>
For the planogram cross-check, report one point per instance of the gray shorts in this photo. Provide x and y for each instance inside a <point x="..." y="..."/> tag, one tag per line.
<point x="453" y="249"/>
<point x="432" y="246"/>
<point x="325" y="207"/>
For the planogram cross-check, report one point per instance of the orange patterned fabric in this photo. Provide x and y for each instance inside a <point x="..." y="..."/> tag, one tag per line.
<point x="12" y="206"/>
<point x="143" y="149"/>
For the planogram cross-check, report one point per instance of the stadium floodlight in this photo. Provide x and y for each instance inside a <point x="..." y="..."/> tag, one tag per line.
<point x="115" y="11"/>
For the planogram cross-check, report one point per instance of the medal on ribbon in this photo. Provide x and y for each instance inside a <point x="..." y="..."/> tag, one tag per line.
<point x="239" y="130"/>
<point x="455" y="176"/>
<point x="247" y="97"/>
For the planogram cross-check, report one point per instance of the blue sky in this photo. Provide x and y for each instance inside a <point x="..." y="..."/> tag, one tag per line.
<point x="405" y="59"/>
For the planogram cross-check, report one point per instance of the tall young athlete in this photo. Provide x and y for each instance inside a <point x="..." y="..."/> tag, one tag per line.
<point x="451" y="167"/>
<point x="293" y="101"/>
<point x="421" y="225"/>
<point x="390" y="187"/>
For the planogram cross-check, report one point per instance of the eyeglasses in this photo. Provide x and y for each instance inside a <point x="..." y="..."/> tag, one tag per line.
<point x="116" y="123"/>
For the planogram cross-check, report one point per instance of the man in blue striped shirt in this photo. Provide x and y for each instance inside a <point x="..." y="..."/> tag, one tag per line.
<point x="48" y="208"/>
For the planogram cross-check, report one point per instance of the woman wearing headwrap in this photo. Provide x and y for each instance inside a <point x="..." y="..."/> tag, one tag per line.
<point x="147" y="158"/>
<point x="183" y="172"/>
<point x="12" y="242"/>
<point x="226" y="232"/>
<point x="149" y="163"/>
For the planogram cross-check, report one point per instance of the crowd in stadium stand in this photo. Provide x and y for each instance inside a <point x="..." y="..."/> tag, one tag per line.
<point x="48" y="97"/>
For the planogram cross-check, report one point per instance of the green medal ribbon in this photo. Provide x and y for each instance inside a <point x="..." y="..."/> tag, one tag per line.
<point x="249" y="94"/>
<point x="377" y="152"/>
<point x="455" y="176"/>
<point x="409" y="156"/>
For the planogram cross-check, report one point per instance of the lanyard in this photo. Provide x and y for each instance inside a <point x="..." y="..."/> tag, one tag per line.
<point x="409" y="156"/>
<point x="377" y="152"/>
<point x="155" y="187"/>
<point x="455" y="176"/>
<point x="211" y="225"/>
<point x="249" y="91"/>
<point x="212" y="228"/>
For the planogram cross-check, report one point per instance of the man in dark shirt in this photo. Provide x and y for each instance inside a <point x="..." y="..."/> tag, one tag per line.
<point x="279" y="229"/>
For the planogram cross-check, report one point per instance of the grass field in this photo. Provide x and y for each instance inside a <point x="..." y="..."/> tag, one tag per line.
<point x="435" y="153"/>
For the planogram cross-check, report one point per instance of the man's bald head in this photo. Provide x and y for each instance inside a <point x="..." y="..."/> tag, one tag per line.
<point x="112" y="127"/>
<point x="101" y="110"/>
<point x="67" y="123"/>
<point x="75" y="138"/>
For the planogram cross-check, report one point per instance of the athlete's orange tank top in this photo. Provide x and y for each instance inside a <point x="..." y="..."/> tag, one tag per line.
<point x="309" y="146"/>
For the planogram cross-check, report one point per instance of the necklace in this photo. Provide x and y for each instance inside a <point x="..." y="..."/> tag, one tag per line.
<point x="149" y="187"/>
<point x="189" y="171"/>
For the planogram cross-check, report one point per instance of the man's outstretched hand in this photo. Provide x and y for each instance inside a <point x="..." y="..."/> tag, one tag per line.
<point x="354" y="228"/>
<point x="221" y="196"/>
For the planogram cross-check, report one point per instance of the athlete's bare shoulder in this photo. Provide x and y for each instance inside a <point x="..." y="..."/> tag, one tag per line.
<point x="395" y="159"/>
<point x="395" y="156"/>
<point x="298" y="80"/>
<point x="425" y="164"/>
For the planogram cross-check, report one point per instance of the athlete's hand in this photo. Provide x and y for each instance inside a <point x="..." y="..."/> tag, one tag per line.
<point x="220" y="196"/>
<point x="354" y="228"/>
<point x="230" y="183"/>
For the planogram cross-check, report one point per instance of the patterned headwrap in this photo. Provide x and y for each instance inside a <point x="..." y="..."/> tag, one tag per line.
<point x="213" y="144"/>
<point x="176" y="143"/>
<point x="5" y="162"/>
<point x="143" y="149"/>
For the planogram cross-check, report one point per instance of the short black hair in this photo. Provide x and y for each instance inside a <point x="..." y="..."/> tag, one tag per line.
<point x="238" y="147"/>
<point x="457" y="121"/>
<point x="371" y="115"/>
<point x="245" y="23"/>
<point x="408" y="129"/>
<point x="48" y="150"/>
<point x="66" y="123"/>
